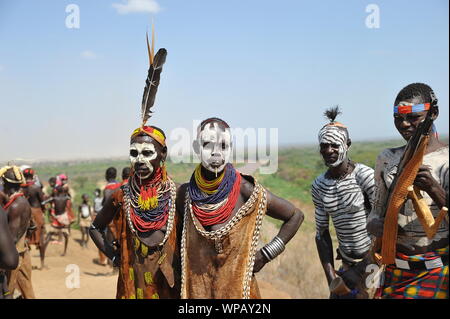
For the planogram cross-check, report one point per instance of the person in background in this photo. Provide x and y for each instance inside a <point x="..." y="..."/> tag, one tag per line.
<point x="85" y="219"/>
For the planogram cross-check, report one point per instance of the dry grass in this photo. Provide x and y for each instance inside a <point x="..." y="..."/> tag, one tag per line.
<point x="298" y="270"/>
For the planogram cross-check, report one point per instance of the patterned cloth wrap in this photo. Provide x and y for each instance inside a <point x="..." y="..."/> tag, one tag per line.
<point x="417" y="284"/>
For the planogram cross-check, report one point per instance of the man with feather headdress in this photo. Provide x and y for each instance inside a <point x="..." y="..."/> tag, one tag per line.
<point x="143" y="211"/>
<point x="344" y="193"/>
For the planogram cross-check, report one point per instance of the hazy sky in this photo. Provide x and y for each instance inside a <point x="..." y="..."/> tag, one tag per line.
<point x="76" y="92"/>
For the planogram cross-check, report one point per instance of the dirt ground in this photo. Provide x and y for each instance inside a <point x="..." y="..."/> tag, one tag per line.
<point x="59" y="280"/>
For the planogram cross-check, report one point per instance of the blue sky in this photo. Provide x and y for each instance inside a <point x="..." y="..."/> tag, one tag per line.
<point x="73" y="93"/>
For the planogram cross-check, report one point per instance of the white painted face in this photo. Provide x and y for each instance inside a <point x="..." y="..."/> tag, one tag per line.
<point x="142" y="153"/>
<point x="333" y="135"/>
<point x="215" y="147"/>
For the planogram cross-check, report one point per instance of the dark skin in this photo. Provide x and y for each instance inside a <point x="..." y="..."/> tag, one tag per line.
<point x="35" y="197"/>
<point x="106" y="215"/>
<point x="19" y="213"/>
<point x="84" y="233"/>
<point x="52" y="192"/>
<point x="277" y="208"/>
<point x="324" y="243"/>
<point x="9" y="258"/>
<point x="3" y="198"/>
<point x="34" y="194"/>
<point x="108" y="192"/>
<point x="60" y="204"/>
<point x="406" y="125"/>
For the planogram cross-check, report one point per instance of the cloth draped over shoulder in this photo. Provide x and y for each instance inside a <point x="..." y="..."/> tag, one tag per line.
<point x="145" y="273"/>
<point x="219" y="264"/>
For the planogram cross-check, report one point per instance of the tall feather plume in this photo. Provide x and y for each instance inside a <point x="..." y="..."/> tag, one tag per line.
<point x="332" y="113"/>
<point x="152" y="81"/>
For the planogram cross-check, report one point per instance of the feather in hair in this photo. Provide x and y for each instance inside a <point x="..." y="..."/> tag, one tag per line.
<point x="332" y="113"/>
<point x="152" y="81"/>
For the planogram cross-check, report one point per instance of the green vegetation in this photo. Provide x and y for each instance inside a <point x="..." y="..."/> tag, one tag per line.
<point x="299" y="166"/>
<point x="297" y="169"/>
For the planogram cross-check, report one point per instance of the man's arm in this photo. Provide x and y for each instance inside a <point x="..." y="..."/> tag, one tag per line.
<point x="365" y="179"/>
<point x="41" y="197"/>
<point x="375" y="220"/>
<point x="181" y="196"/>
<point x="426" y="182"/>
<point x="285" y="211"/>
<point x="9" y="258"/>
<point x="323" y="239"/>
<point x="292" y="218"/>
<point x="97" y="230"/>
<point x="325" y="249"/>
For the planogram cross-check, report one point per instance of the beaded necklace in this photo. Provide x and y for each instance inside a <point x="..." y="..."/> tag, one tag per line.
<point x="215" y="208"/>
<point x="149" y="202"/>
<point x="208" y="187"/>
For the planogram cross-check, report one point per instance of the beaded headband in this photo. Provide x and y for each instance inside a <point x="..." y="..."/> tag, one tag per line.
<point x="405" y="109"/>
<point x="152" y="132"/>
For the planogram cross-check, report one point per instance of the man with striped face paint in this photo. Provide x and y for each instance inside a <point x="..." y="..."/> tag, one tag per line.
<point x="334" y="144"/>
<point x="344" y="193"/>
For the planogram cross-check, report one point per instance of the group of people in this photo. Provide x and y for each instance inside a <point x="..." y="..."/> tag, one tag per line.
<point x="195" y="239"/>
<point x="357" y="199"/>
<point x="23" y="206"/>
<point x="201" y="239"/>
<point x="110" y="231"/>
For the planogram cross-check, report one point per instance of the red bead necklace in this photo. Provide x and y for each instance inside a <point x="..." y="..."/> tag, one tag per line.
<point x="219" y="216"/>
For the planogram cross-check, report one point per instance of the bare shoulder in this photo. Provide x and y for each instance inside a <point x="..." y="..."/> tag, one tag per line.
<point x="181" y="195"/>
<point x="35" y="188"/>
<point x="247" y="186"/>
<point x="181" y="190"/>
<point x="20" y="205"/>
<point x="391" y="152"/>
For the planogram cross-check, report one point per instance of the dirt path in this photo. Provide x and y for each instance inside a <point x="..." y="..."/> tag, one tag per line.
<point x="95" y="281"/>
<point x="57" y="281"/>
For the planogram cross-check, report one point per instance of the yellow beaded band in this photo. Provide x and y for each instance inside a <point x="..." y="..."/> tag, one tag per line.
<point x="208" y="187"/>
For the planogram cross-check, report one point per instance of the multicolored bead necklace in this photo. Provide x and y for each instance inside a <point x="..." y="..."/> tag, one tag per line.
<point x="150" y="202"/>
<point x="210" y="205"/>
